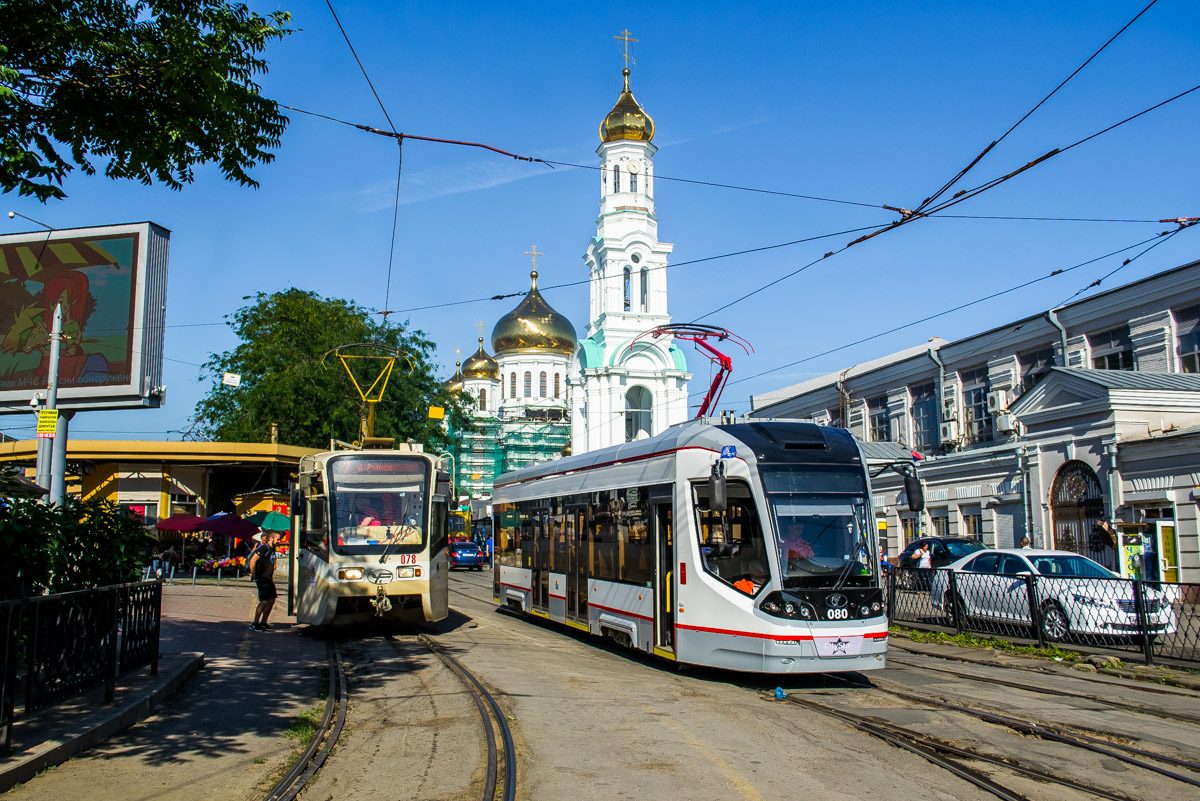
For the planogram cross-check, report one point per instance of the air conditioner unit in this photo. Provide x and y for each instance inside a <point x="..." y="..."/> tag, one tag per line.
<point x="950" y="431"/>
<point x="949" y="412"/>
<point x="997" y="401"/>
<point x="1006" y="423"/>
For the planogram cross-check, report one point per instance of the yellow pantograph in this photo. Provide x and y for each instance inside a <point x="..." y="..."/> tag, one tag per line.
<point x="374" y="360"/>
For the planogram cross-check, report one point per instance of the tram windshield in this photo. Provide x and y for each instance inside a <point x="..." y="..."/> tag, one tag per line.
<point x="378" y="503"/>
<point x="820" y="517"/>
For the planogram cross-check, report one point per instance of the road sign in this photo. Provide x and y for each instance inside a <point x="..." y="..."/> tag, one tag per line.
<point x="729" y="452"/>
<point x="47" y="423"/>
<point x="232" y="379"/>
<point x="437" y="412"/>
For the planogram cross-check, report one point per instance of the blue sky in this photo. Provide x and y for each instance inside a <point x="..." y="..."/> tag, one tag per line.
<point x="874" y="102"/>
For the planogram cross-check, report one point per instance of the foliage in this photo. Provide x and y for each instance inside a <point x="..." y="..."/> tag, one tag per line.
<point x="304" y="726"/>
<point x="972" y="641"/>
<point x="156" y="87"/>
<point x="76" y="545"/>
<point x="284" y="336"/>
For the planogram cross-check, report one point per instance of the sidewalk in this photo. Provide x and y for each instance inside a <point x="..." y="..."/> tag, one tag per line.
<point x="224" y="696"/>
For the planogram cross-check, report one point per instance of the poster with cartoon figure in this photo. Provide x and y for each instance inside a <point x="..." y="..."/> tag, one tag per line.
<point x="96" y="279"/>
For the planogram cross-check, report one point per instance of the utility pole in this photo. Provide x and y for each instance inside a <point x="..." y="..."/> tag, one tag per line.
<point x="46" y="450"/>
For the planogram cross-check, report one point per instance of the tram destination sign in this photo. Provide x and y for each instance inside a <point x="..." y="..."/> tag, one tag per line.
<point x="111" y="282"/>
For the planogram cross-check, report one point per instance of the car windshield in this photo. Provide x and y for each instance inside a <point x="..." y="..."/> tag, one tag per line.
<point x="465" y="546"/>
<point x="1069" y="565"/>
<point x="823" y="536"/>
<point x="377" y="503"/>
<point x="961" y="549"/>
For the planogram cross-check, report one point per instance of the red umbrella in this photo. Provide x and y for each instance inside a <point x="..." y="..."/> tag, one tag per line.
<point x="229" y="525"/>
<point x="180" y="523"/>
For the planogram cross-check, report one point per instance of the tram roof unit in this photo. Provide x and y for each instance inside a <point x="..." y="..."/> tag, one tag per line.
<point x="763" y="441"/>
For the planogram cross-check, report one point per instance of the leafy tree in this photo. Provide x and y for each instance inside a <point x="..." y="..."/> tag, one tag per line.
<point x="76" y="545"/>
<point x="153" y="86"/>
<point x="283" y="338"/>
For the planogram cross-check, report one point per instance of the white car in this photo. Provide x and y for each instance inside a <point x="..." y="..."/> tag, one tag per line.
<point x="1074" y="594"/>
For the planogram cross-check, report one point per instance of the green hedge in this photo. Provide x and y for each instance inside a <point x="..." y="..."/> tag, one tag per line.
<point x="75" y="546"/>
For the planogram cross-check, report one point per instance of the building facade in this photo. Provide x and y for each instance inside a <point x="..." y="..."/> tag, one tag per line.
<point x="1044" y="427"/>
<point x="546" y="391"/>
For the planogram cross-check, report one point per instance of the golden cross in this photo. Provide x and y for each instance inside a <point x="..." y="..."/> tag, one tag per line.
<point x="479" y="325"/>
<point x="457" y="353"/>
<point x="532" y="253"/>
<point x="627" y="39"/>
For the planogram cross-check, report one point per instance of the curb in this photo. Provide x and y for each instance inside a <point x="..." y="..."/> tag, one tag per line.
<point x="56" y="752"/>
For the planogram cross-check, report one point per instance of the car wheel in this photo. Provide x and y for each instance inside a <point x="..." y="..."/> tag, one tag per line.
<point x="1055" y="623"/>
<point x="952" y="608"/>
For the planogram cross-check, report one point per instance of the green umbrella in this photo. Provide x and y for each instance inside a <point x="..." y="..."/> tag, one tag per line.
<point x="271" y="521"/>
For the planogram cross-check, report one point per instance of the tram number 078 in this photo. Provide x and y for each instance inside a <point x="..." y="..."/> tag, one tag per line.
<point x="839" y="614"/>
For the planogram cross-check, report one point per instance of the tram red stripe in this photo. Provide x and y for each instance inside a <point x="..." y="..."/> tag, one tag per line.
<point x="732" y="633"/>
<point x="622" y="612"/>
<point x="515" y="586"/>
<point x="876" y="635"/>
<point x="560" y="597"/>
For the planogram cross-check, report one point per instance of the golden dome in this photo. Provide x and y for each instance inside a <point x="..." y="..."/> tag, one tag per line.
<point x="627" y="120"/>
<point x="455" y="382"/>
<point x="481" y="366"/>
<point x="533" y="325"/>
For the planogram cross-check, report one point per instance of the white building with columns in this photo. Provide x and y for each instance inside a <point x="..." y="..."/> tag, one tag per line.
<point x="626" y="384"/>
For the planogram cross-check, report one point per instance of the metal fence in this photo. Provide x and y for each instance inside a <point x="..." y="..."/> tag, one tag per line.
<point x="55" y="646"/>
<point x="1157" y="620"/>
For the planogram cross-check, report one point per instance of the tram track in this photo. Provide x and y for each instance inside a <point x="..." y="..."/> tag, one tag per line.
<point x="1158" y="712"/>
<point x="323" y="741"/>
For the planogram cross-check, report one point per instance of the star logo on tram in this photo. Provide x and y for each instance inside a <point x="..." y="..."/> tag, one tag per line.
<point x="839" y="646"/>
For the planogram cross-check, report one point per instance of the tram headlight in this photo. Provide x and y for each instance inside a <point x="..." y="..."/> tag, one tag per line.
<point x="865" y="611"/>
<point x="789" y="609"/>
<point x="876" y="607"/>
<point x="805" y="612"/>
<point x="407" y="572"/>
<point x="350" y="574"/>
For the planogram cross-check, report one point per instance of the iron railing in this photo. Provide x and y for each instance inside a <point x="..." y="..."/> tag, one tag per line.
<point x="55" y="646"/>
<point x="1158" y="620"/>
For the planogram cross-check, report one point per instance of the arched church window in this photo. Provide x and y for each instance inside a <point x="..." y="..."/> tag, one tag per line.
<point x="556" y="386"/>
<point x="645" y="288"/>
<point x="512" y="385"/>
<point x="616" y="178"/>
<point x="633" y="182"/>
<point x="528" y="384"/>
<point x="542" y="385"/>
<point x="628" y="289"/>
<point x="638" y="413"/>
<point x="483" y="400"/>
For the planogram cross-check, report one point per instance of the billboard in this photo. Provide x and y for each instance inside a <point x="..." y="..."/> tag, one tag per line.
<point x="111" y="282"/>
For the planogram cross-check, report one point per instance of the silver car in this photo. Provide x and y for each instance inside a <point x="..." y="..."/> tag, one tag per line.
<point x="1074" y="594"/>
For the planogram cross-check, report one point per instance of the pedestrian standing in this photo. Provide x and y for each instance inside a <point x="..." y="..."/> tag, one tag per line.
<point x="1025" y="546"/>
<point x="924" y="559"/>
<point x="262" y="568"/>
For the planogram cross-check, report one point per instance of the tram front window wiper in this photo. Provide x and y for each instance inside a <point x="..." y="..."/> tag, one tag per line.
<point x="850" y="562"/>
<point x="391" y="539"/>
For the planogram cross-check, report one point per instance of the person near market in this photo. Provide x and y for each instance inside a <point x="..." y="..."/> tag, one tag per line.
<point x="262" y="568"/>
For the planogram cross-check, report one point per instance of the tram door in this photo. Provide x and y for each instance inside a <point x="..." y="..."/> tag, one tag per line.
<point x="574" y="529"/>
<point x="664" y="576"/>
<point x="541" y="560"/>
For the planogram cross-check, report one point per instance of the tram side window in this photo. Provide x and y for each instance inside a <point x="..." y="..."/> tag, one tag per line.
<point x="437" y="528"/>
<point x="316" y="527"/>
<point x="621" y="548"/>
<point x="506" y="543"/>
<point x="731" y="543"/>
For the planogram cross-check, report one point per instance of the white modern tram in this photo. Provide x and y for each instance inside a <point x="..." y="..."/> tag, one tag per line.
<point x="368" y="537"/>
<point x="749" y="546"/>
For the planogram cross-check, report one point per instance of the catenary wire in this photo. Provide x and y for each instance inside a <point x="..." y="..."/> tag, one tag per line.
<point x="946" y="187"/>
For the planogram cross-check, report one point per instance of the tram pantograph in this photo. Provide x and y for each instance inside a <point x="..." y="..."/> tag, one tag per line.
<point x="750" y="546"/>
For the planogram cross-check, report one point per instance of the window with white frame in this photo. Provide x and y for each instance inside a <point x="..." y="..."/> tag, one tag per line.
<point x="542" y="385"/>
<point x="976" y="421"/>
<point x="881" y="423"/>
<point x="972" y="522"/>
<point x="483" y="400"/>
<point x="1187" y="328"/>
<point x="616" y="178"/>
<point x="556" y="385"/>
<point x="939" y="522"/>
<point x="923" y="411"/>
<point x="1112" y="350"/>
<point x="512" y="385"/>
<point x="528" y="385"/>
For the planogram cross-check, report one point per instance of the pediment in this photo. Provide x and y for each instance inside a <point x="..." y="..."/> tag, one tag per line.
<point x="1063" y="396"/>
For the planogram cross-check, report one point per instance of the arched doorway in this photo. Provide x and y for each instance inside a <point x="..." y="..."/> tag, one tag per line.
<point x="1076" y="506"/>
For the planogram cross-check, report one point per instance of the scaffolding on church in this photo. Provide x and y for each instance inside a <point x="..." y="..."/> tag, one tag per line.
<point x="527" y="443"/>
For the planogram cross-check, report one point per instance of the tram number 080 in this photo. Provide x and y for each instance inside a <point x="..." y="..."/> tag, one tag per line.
<point x="839" y="614"/>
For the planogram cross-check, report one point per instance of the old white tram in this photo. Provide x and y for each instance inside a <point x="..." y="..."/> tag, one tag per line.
<point x="749" y="546"/>
<point x="368" y="537"/>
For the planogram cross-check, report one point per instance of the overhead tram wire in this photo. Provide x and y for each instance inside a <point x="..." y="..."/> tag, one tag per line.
<point x="908" y="216"/>
<point x="660" y="177"/>
<point x="1156" y="239"/>
<point x="946" y="187"/>
<point x="400" y="158"/>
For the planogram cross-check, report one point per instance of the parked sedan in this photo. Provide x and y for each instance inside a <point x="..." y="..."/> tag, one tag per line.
<point x="1074" y="595"/>
<point x="467" y="554"/>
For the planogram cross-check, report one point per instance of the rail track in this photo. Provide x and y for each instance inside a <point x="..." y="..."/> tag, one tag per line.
<point x="333" y="721"/>
<point x="1156" y="711"/>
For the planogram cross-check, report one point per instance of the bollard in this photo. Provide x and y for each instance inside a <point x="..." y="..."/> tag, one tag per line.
<point x="218" y="578"/>
<point x="194" y="576"/>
